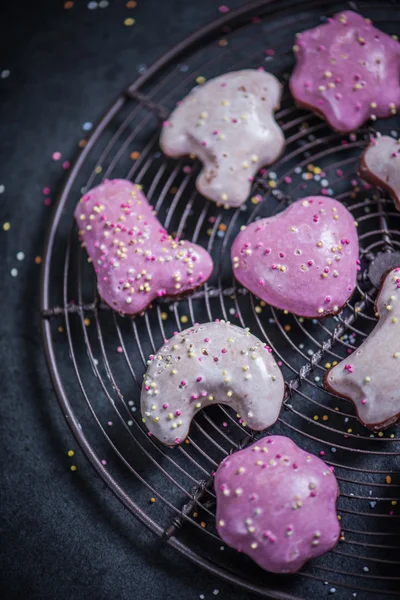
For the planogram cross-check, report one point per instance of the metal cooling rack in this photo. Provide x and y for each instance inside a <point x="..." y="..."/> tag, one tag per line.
<point x="97" y="368"/>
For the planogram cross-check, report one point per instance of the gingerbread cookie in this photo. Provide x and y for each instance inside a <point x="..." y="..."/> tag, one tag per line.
<point x="347" y="71"/>
<point x="208" y="364"/>
<point x="303" y="260"/>
<point x="277" y="504"/>
<point x="380" y="165"/>
<point x="134" y="258"/>
<point x="228" y="124"/>
<point x="370" y="377"/>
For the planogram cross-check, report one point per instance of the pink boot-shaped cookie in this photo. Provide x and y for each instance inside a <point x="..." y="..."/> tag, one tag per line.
<point x="211" y="363"/>
<point x="277" y="504"/>
<point x="347" y="71"/>
<point x="303" y="260"/>
<point x="135" y="259"/>
<point x="380" y="165"/>
<point x="370" y="377"/>
<point x="228" y="123"/>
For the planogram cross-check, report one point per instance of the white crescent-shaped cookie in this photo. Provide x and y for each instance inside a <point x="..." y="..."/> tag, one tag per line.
<point x="228" y="123"/>
<point x="208" y="364"/>
<point x="380" y="165"/>
<point x="370" y="377"/>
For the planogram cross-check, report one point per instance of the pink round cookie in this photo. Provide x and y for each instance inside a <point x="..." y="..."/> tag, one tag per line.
<point x="347" y="71"/>
<point x="370" y="376"/>
<point x="277" y="504"/>
<point x="228" y="123"/>
<point x="211" y="363"/>
<point x="380" y="165"/>
<point x="134" y="258"/>
<point x="303" y="260"/>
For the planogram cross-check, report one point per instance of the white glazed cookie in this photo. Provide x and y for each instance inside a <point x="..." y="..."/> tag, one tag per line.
<point x="207" y="364"/>
<point x="370" y="377"/>
<point x="380" y="165"/>
<point x="228" y="124"/>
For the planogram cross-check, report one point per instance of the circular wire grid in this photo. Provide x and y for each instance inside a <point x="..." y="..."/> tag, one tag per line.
<point x="97" y="358"/>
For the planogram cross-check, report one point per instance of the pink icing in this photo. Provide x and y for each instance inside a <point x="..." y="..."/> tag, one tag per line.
<point x="134" y="258"/>
<point x="317" y="274"/>
<point x="277" y="504"/>
<point x="350" y="78"/>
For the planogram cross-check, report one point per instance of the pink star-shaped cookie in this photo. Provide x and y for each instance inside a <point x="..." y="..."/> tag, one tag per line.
<point x="347" y="71"/>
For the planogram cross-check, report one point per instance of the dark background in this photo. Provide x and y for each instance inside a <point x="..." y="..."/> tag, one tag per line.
<point x="63" y="534"/>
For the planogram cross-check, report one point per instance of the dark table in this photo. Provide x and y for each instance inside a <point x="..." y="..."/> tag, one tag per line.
<point x="63" y="534"/>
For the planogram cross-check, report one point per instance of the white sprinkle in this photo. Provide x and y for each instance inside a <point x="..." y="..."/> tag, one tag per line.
<point x="5" y="73"/>
<point x="14" y="272"/>
<point x="103" y="3"/>
<point x="88" y="125"/>
<point x="20" y="255"/>
<point x="2" y="189"/>
<point x="130" y="423"/>
<point x="92" y="5"/>
<point x="216" y="592"/>
<point x="365" y="569"/>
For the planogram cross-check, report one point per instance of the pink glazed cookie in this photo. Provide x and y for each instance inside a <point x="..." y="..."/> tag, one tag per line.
<point x="228" y="123"/>
<point x="380" y="165"/>
<point x="370" y="377"/>
<point x="347" y="72"/>
<point x="211" y="363"/>
<point x="303" y="260"/>
<point x="277" y="504"/>
<point x="134" y="258"/>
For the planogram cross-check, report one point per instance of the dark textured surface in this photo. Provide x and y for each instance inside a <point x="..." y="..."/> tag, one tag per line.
<point x="63" y="533"/>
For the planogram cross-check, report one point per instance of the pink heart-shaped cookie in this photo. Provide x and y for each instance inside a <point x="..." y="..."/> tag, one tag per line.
<point x="134" y="257"/>
<point x="303" y="260"/>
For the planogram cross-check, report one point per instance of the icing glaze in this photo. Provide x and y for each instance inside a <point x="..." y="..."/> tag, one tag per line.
<point x="228" y="124"/>
<point x="277" y="504"/>
<point x="207" y="364"/>
<point x="380" y="165"/>
<point x="370" y="376"/>
<point x="303" y="260"/>
<point x="347" y="71"/>
<point x="134" y="258"/>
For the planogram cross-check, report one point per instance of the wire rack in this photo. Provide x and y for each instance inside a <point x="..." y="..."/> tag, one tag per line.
<point x="98" y="361"/>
